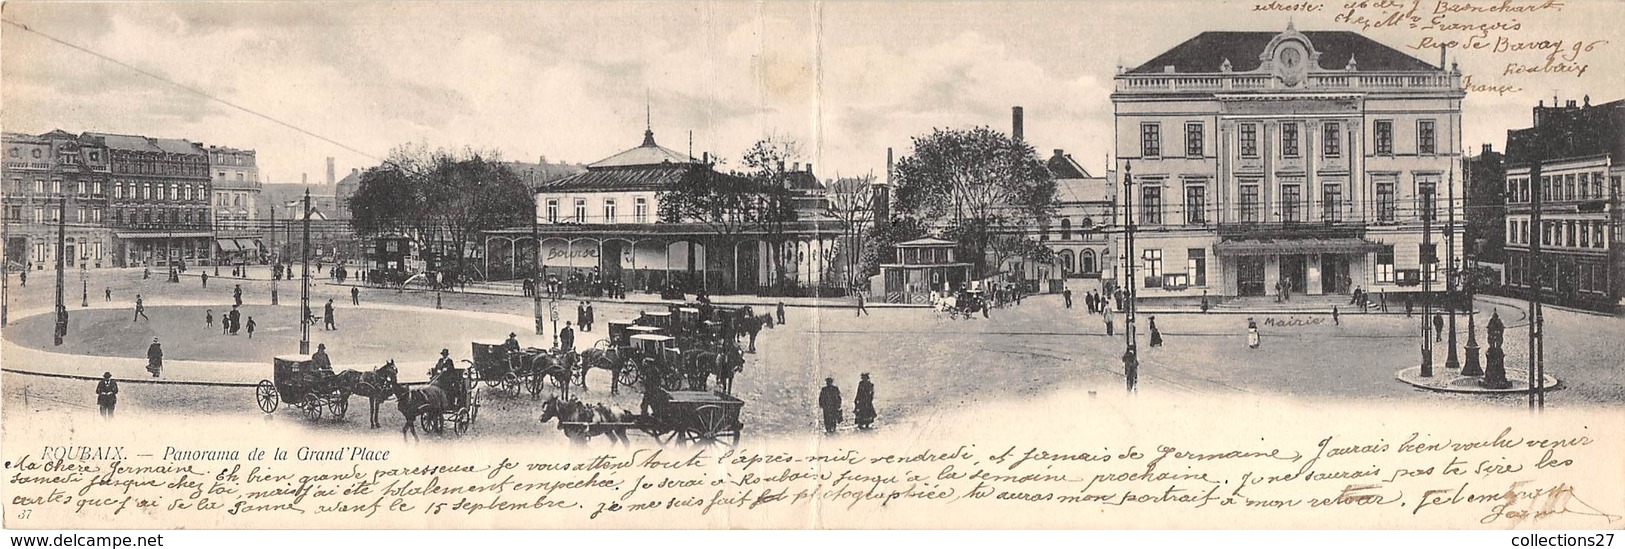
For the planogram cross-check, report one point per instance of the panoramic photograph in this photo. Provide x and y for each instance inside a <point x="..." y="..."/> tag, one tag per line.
<point x="350" y="264"/>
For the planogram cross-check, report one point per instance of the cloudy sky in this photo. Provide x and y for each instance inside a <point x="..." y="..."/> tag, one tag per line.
<point x="569" y="80"/>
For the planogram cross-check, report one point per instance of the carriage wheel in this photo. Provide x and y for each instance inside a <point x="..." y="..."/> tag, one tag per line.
<point x="338" y="406"/>
<point x="461" y="421"/>
<point x="712" y="426"/>
<point x="511" y="383"/>
<point x="265" y="396"/>
<point x="629" y="375"/>
<point x="313" y="409"/>
<point x="533" y="384"/>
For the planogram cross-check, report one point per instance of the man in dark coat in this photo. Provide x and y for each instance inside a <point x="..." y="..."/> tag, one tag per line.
<point x="781" y="313"/>
<point x="355" y="296"/>
<point x="250" y="326"/>
<point x="327" y="316"/>
<point x="155" y="358"/>
<point x="1438" y="327"/>
<point x="567" y="338"/>
<point x="512" y="344"/>
<point x="863" y="406"/>
<point x="205" y="278"/>
<point x="829" y="400"/>
<point x="589" y="321"/>
<point x="1067" y="296"/>
<point x="140" y="309"/>
<point x="235" y="318"/>
<point x="443" y="365"/>
<point x="107" y="394"/>
<point x="322" y="362"/>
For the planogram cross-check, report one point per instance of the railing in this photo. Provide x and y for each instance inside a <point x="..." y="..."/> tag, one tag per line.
<point x="1332" y="81"/>
<point x="1281" y="230"/>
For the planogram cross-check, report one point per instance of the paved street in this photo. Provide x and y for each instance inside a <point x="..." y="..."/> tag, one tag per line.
<point x="923" y="365"/>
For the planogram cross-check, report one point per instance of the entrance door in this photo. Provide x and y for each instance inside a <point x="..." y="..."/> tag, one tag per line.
<point x="1295" y="270"/>
<point x="1250" y="275"/>
<point x="1334" y="273"/>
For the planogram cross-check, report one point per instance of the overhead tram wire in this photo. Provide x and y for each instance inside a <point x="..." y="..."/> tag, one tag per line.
<point x="206" y="95"/>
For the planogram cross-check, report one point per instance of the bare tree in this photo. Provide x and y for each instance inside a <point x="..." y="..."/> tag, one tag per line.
<point x="851" y="201"/>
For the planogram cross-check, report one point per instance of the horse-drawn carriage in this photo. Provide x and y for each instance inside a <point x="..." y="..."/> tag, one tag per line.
<point x="461" y="407"/>
<point x="700" y="417"/>
<point x="526" y="369"/>
<point x="298" y="382"/>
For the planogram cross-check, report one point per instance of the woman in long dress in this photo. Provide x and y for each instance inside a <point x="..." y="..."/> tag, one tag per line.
<point x="863" y="410"/>
<point x="1252" y="334"/>
<point x="1156" y="335"/>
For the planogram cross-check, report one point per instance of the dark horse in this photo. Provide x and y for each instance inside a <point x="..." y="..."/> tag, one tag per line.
<point x="752" y="325"/>
<point x="419" y="401"/>
<point x="604" y="359"/>
<point x="580" y="421"/>
<point x="378" y="386"/>
<point x="723" y="364"/>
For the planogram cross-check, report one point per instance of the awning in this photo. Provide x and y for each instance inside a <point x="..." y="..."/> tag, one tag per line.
<point x="1296" y="246"/>
<point x="160" y="234"/>
<point x="227" y="245"/>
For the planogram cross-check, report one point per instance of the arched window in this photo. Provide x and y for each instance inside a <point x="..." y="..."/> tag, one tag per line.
<point x="1086" y="262"/>
<point x="1066" y="229"/>
<point x="1064" y="261"/>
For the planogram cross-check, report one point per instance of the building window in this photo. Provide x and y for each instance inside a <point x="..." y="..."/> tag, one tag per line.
<point x="1193" y="140"/>
<point x="1385" y="136"/>
<point x="1289" y="140"/>
<point x="640" y="210"/>
<point x="1152" y="259"/>
<point x="1331" y="199"/>
<point x="1151" y="205"/>
<point x="609" y="210"/>
<point x="1425" y="143"/>
<point x="1291" y="197"/>
<point x="1523" y="231"/>
<point x="1568" y="230"/>
<point x="1585" y="185"/>
<point x="39" y="214"/>
<point x="1545" y="187"/>
<point x="96" y="215"/>
<point x="56" y="186"/>
<point x="1426" y="191"/>
<point x="1385" y="264"/>
<point x="1196" y="265"/>
<point x="1066" y="229"/>
<point x="1195" y="205"/>
<point x="1333" y="140"/>
<point x="1526" y="186"/>
<point x="552" y="210"/>
<point x="1585" y="235"/>
<point x="1512" y="231"/>
<point x="1249" y="141"/>
<point x="1568" y="185"/>
<point x="581" y="210"/>
<point x="1596" y="186"/>
<point x="1150" y="140"/>
<point x="1250" y="206"/>
<point x="81" y="214"/>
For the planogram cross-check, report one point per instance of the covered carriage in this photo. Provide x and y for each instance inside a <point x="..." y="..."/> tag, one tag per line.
<point x="297" y="381"/>
<point x="464" y="406"/>
<point x="701" y="417"/>
<point x="526" y="370"/>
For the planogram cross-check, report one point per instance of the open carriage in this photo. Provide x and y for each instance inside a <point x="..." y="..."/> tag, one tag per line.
<point x="464" y="406"/>
<point x="298" y="382"/>
<point x="526" y="370"/>
<point x="701" y="417"/>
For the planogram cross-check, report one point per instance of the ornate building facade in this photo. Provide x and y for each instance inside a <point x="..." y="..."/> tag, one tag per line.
<point x="1315" y="162"/>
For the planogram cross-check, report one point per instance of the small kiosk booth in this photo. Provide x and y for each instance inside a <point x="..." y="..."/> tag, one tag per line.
<point x="920" y="267"/>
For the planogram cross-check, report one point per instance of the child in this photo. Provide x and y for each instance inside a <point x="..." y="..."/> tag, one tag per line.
<point x="250" y="326"/>
<point x="208" y="317"/>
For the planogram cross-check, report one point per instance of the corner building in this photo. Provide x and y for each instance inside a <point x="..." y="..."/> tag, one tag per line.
<point x="1310" y="158"/>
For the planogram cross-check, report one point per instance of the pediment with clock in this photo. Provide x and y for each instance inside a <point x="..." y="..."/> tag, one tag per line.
<point x="1290" y="56"/>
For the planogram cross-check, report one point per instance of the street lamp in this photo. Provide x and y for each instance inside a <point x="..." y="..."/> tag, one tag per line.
<point x="1452" y="277"/>
<point x="84" y="281"/>
<point x="1131" y="361"/>
<point x="1471" y="367"/>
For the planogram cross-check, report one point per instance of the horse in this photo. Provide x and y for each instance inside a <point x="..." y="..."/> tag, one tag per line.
<point x="722" y="363"/>
<point x="580" y="422"/>
<point x="419" y="401"/>
<point x="604" y="359"/>
<point x="378" y="386"/>
<point x="753" y="324"/>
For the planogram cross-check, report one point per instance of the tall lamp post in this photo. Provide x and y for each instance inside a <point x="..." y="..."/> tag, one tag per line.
<point x="1429" y="267"/>
<point x="61" y="246"/>
<point x="84" y="281"/>
<point x="304" y="282"/>
<point x="1131" y="361"/>
<point x="1452" y="277"/>
<point x="5" y="266"/>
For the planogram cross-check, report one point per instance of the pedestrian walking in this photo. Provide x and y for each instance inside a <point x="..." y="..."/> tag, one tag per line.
<point x="107" y="293"/>
<point x="1156" y="335"/>
<point x="1382" y="299"/>
<point x="107" y="394"/>
<point x="1408" y="306"/>
<point x="355" y="296"/>
<point x="1252" y="334"/>
<point x="1335" y="322"/>
<point x="1204" y="301"/>
<point x="781" y="312"/>
<point x="146" y="273"/>
<point x="1089" y="301"/>
<point x="829" y="400"/>
<point x="863" y="406"/>
<point x="140" y="309"/>
<point x="237" y="294"/>
<point x="208" y="318"/>
<point x="250" y="326"/>
<point x="327" y="316"/>
<point x="862" y="310"/>
<point x="205" y="277"/>
<point x="1438" y="327"/>
<point x="1066" y="297"/>
<point x="581" y="316"/>
<point x="591" y="317"/>
<point x="233" y="320"/>
<point x="567" y="338"/>
<point x="1107" y="314"/>
<point x="155" y="358"/>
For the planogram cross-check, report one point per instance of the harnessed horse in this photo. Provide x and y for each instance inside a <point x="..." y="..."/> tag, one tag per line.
<point x="378" y="386"/>
<point x="580" y="421"/>
<point x="417" y="401"/>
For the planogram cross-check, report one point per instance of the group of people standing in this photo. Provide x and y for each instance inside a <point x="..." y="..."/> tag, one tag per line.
<point x="230" y="322"/>
<point x="863" y="405"/>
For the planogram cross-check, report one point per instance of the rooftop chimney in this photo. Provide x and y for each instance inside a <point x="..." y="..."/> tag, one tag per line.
<point x="1059" y="152"/>
<point x="880" y="195"/>
<point x="1570" y="104"/>
<point x="1487" y="149"/>
<point x="809" y="167"/>
<point x="795" y="166"/>
<point x="705" y="158"/>
<point x="1017" y="124"/>
<point x="889" y="166"/>
<point x="330" y="178"/>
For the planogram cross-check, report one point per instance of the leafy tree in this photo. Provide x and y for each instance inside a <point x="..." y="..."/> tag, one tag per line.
<point x="877" y="248"/>
<point x="764" y="163"/>
<point x="978" y="183"/>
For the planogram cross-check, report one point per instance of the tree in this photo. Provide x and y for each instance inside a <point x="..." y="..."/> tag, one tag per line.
<point x="978" y="184"/>
<point x="764" y="162"/>
<point x="850" y="201"/>
<point x="440" y="200"/>
<point x="877" y="248"/>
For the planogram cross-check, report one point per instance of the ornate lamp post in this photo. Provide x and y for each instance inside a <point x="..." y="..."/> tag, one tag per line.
<point x="84" y="281"/>
<point x="61" y="243"/>
<point x="1131" y="361"/>
<point x="304" y="283"/>
<point x="1471" y="367"/>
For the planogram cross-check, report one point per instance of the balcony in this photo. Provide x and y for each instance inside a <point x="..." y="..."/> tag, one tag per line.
<point x="1328" y="81"/>
<point x="1289" y="230"/>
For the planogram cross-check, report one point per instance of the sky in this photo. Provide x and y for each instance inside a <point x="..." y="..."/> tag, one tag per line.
<point x="575" y="81"/>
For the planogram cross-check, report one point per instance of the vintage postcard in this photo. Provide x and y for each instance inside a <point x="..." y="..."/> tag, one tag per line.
<point x="813" y="265"/>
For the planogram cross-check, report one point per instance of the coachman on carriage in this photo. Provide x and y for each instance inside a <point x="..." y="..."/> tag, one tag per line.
<point x="296" y="380"/>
